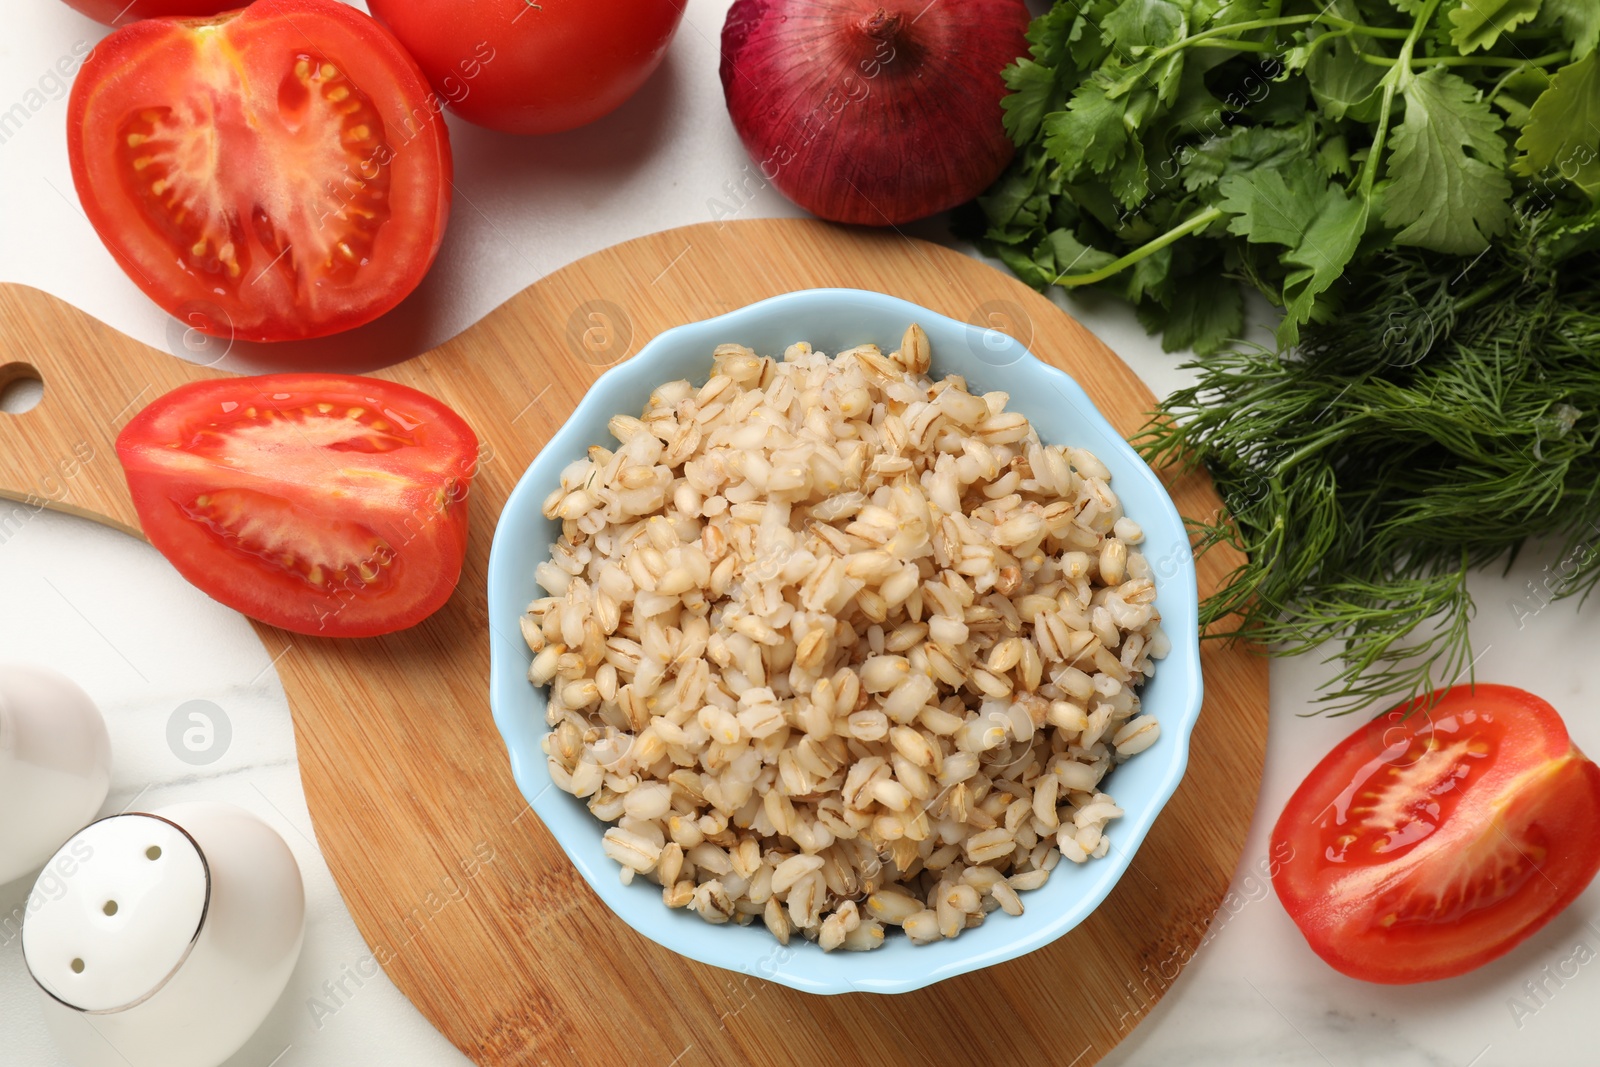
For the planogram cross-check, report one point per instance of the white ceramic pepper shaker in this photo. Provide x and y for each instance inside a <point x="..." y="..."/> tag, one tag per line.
<point x="55" y="765"/>
<point x="171" y="938"/>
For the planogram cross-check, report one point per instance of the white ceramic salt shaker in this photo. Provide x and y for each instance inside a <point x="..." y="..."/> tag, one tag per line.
<point x="55" y="765"/>
<point x="164" y="939"/>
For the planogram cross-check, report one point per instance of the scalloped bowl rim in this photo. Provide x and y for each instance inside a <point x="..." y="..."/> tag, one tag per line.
<point x="991" y="360"/>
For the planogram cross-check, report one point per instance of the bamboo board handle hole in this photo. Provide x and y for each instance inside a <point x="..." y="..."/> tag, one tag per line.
<point x="21" y="388"/>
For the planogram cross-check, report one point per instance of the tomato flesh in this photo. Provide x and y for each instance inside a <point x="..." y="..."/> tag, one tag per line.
<point x="322" y="553"/>
<point x="272" y="173"/>
<point x="329" y="505"/>
<point x="174" y="159"/>
<point x="1435" y="839"/>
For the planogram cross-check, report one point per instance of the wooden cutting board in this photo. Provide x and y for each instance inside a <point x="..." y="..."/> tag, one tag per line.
<point x="463" y="896"/>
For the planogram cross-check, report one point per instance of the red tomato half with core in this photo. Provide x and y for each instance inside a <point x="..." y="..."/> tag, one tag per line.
<point x="122" y="12"/>
<point x="326" y="504"/>
<point x="1433" y="840"/>
<point x="524" y="67"/>
<point x="272" y="173"/>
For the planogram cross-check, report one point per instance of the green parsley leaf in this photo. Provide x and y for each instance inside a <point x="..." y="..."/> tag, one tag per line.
<point x="1150" y="277"/>
<point x="1270" y="207"/>
<point x="1023" y="266"/>
<point x="1130" y="179"/>
<point x="1329" y="243"/>
<point x="1139" y="26"/>
<point x="1342" y="83"/>
<point x="1247" y="148"/>
<point x="1068" y="255"/>
<point x="1086" y="42"/>
<point x="1298" y="208"/>
<point x="1563" y="130"/>
<point x="1207" y="162"/>
<point x="1090" y="133"/>
<point x="1195" y="111"/>
<point x="1049" y="33"/>
<point x="1165" y="75"/>
<point x="1034" y="94"/>
<point x="1011" y="203"/>
<point x="1440" y="196"/>
<point x="1094" y="199"/>
<point x="1479" y="23"/>
<point x="1333" y="156"/>
<point x="1229" y="12"/>
<point x="1517" y="94"/>
<point x="1580" y="23"/>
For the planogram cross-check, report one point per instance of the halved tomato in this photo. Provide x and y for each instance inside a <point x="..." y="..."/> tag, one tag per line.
<point x="272" y="173"/>
<point x="326" y="504"/>
<point x="1435" y="839"/>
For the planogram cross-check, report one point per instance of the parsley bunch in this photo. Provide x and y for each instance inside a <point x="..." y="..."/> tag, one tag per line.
<point x="1173" y="150"/>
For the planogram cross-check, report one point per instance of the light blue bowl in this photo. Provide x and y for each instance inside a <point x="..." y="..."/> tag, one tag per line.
<point x="832" y="319"/>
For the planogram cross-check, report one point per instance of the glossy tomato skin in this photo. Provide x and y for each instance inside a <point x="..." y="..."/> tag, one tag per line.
<point x="121" y="12"/>
<point x="273" y="173"/>
<point x="534" y="68"/>
<point x="1435" y="839"/>
<point x="328" y="505"/>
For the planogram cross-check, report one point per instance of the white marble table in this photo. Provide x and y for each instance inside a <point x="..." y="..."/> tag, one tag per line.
<point x="108" y="611"/>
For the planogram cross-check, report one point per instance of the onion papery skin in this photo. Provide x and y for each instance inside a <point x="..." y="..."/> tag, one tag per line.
<point x="868" y="112"/>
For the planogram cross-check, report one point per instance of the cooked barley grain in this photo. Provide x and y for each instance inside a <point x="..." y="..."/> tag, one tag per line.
<point x="838" y="646"/>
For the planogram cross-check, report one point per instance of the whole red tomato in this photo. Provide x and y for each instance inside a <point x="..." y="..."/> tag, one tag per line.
<point x="534" y="67"/>
<point x="122" y="12"/>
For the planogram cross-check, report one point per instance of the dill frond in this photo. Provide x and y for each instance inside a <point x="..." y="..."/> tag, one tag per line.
<point x="1443" y="419"/>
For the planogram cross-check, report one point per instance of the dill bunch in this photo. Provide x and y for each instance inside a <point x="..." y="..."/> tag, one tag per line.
<point x="1445" y="416"/>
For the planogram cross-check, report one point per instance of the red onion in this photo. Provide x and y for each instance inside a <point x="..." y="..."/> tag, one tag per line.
<point x="872" y="111"/>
